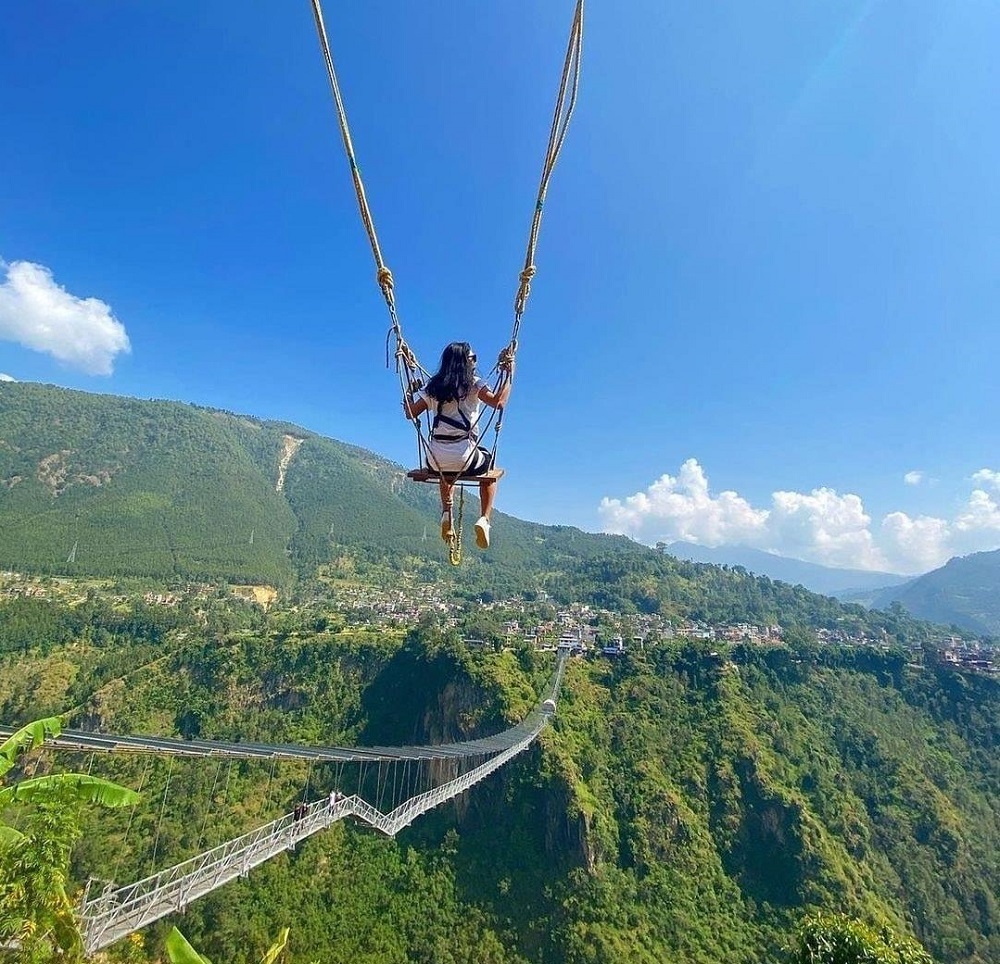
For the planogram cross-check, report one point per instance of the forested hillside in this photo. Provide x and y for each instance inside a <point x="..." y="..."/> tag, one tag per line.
<point x="99" y="485"/>
<point x="964" y="592"/>
<point x="689" y="804"/>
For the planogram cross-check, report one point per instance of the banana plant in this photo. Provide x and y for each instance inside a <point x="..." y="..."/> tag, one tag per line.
<point x="35" y="910"/>
<point x="179" y="951"/>
<point x="66" y="788"/>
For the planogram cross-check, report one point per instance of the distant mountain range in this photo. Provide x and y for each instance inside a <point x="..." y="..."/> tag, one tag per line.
<point x="964" y="592"/>
<point x="849" y="584"/>
<point x="99" y="485"/>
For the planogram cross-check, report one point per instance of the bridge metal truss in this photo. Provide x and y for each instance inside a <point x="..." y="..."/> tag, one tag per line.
<point x="109" y="913"/>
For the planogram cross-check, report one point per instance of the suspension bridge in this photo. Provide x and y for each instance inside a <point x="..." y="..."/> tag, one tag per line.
<point x="109" y="912"/>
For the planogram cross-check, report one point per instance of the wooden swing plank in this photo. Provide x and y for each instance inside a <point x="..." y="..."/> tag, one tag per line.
<point x="426" y="475"/>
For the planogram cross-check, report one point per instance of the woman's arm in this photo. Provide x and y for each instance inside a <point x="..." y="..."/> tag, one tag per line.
<point x="499" y="397"/>
<point x="414" y="407"/>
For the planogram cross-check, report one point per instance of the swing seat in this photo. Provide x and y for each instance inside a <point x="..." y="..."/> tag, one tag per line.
<point x="428" y="475"/>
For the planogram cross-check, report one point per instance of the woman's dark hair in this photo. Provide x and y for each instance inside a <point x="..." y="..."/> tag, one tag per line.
<point x="454" y="378"/>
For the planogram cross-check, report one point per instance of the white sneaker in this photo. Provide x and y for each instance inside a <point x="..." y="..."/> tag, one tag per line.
<point x="483" y="532"/>
<point x="447" y="529"/>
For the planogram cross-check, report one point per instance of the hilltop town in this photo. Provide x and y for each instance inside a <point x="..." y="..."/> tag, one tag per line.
<point x="537" y="622"/>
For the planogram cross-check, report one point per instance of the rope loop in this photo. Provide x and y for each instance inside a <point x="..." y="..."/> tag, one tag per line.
<point x="505" y="360"/>
<point x="406" y="358"/>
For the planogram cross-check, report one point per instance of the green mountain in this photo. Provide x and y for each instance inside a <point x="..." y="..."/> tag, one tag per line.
<point x="691" y="802"/>
<point x="965" y="592"/>
<point x="100" y="485"/>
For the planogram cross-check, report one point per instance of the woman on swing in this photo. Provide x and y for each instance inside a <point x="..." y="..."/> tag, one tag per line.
<point x="453" y="395"/>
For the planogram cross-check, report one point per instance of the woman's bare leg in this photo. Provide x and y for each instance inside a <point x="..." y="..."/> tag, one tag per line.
<point x="487" y="496"/>
<point x="446" y="488"/>
<point x="447" y="526"/>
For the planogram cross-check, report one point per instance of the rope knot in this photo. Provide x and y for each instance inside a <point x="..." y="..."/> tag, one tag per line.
<point x="405" y="355"/>
<point x="524" y="289"/>
<point x="505" y="361"/>
<point x="384" y="278"/>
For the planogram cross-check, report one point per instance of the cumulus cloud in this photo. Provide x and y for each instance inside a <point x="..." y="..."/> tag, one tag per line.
<point x="987" y="477"/>
<point x="915" y="544"/>
<point x="40" y="314"/>
<point x="820" y="526"/>
<point x="824" y="526"/>
<point x="914" y="478"/>
<point x="682" y="508"/>
<point x="4" y="377"/>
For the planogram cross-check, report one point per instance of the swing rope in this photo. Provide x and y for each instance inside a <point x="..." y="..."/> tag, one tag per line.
<point x="569" y="85"/>
<point x="412" y="375"/>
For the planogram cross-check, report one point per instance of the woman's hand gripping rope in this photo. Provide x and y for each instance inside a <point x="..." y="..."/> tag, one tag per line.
<point x="505" y="360"/>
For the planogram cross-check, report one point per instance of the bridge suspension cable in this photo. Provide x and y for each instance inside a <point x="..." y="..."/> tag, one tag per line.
<point x="109" y="913"/>
<point x="87" y="741"/>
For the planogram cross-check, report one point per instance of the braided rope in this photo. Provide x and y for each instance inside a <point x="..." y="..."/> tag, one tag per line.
<point x="569" y="86"/>
<point x="383" y="275"/>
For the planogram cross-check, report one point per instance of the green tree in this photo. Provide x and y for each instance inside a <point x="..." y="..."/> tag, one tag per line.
<point x="838" y="939"/>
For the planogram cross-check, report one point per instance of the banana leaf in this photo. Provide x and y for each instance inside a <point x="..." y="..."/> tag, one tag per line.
<point x="70" y="788"/>
<point x="179" y="951"/>
<point x="276" y="948"/>
<point x="27" y="738"/>
<point x="9" y="836"/>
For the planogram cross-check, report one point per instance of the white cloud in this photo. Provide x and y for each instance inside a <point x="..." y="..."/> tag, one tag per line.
<point x="681" y="508"/>
<point x="39" y="314"/>
<point x="4" y="377"/>
<point x="821" y="526"/>
<point x="825" y="527"/>
<point x="915" y="544"/>
<point x="987" y="477"/>
<point x="982" y="514"/>
<point x="914" y="478"/>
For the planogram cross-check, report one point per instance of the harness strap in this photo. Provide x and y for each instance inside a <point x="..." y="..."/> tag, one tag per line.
<point x="462" y="423"/>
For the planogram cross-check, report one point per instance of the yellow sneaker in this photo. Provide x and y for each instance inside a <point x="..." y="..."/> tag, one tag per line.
<point x="483" y="532"/>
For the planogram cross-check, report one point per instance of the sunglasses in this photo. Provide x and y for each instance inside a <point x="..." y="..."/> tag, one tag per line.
<point x="472" y="356"/>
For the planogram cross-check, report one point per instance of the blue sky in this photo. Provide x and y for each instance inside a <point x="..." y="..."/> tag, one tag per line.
<point x="766" y="303"/>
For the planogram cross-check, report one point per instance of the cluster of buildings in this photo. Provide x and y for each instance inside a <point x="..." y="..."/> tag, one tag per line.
<point x="971" y="655"/>
<point x="23" y="589"/>
<point x="392" y="606"/>
<point x="578" y="627"/>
